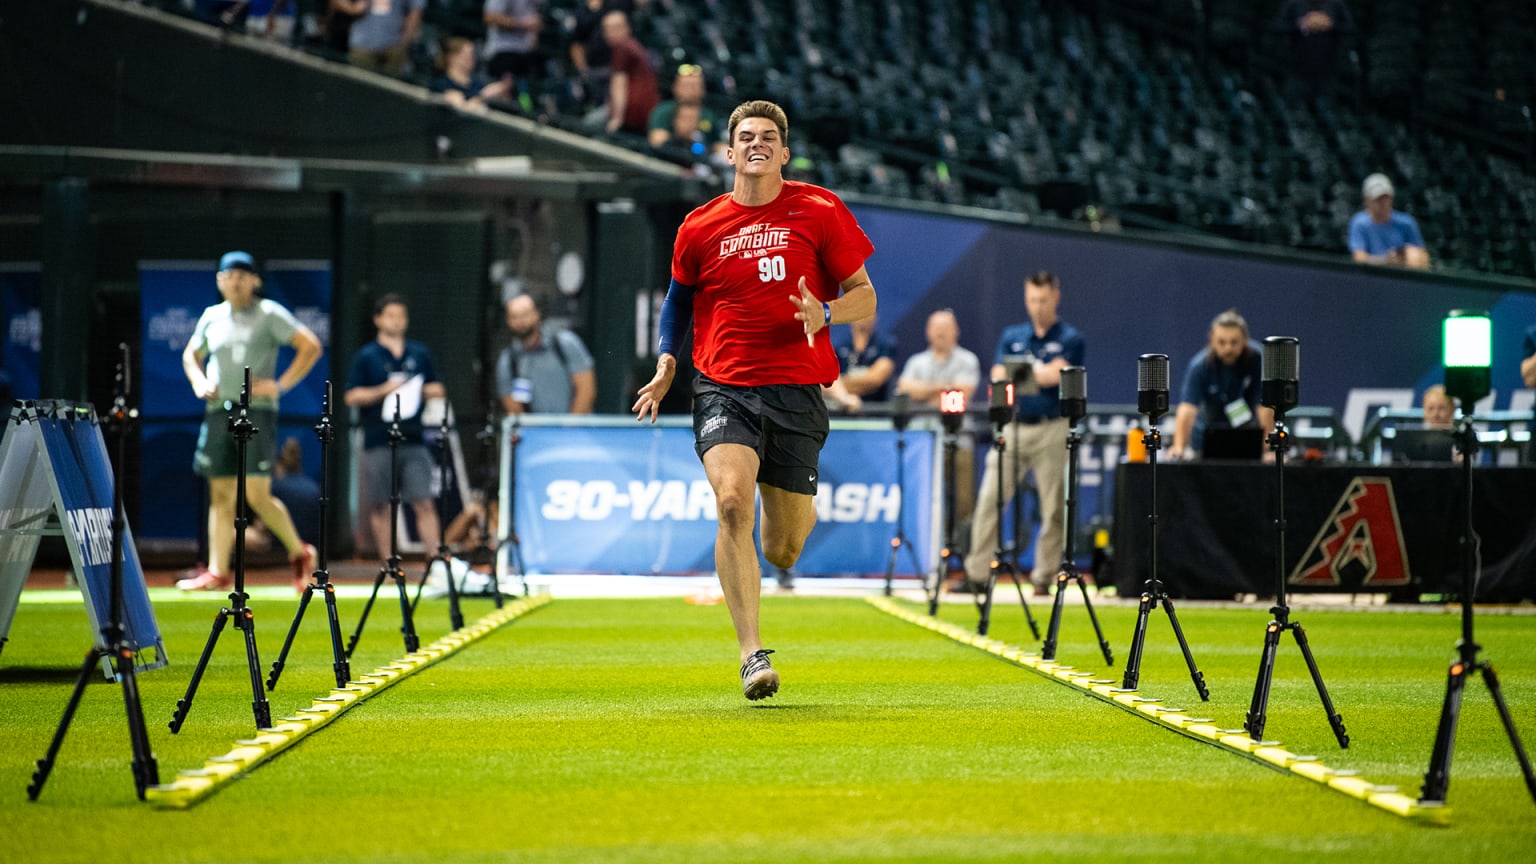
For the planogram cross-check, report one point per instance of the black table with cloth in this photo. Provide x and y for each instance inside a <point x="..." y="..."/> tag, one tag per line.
<point x="1217" y="534"/>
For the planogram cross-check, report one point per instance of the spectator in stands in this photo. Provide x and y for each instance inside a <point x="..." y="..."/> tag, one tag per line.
<point x="1439" y="410"/>
<point x="946" y="365"/>
<point x="1528" y="364"/>
<point x="866" y="360"/>
<point x="382" y="34"/>
<point x="298" y="491"/>
<point x="687" y="89"/>
<point x="546" y="370"/>
<point x="460" y="82"/>
<point x="682" y="140"/>
<point x="222" y="13"/>
<point x="512" y="30"/>
<point x="336" y="29"/>
<point x="1221" y="387"/>
<point x="632" y="82"/>
<point x="1528" y="375"/>
<point x="589" y="51"/>
<point x="1037" y="437"/>
<point x="1316" y="29"/>
<point x="393" y="367"/>
<point x="243" y="332"/>
<point x="1379" y="235"/>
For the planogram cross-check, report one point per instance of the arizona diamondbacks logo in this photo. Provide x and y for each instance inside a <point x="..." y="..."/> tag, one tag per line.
<point x="1361" y="543"/>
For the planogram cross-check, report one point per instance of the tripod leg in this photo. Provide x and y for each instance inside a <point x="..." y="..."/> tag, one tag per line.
<point x="246" y="622"/>
<point x="1048" y="650"/>
<point x="146" y="772"/>
<point x="184" y="704"/>
<point x="890" y="562"/>
<point x="1334" y="719"/>
<point x="984" y="602"/>
<point x="293" y="630"/>
<point x="1439" y="775"/>
<point x="1138" y="641"/>
<point x="455" y="612"/>
<point x="937" y="589"/>
<point x="1492" y="679"/>
<point x="1258" y="708"/>
<point x="407" y="622"/>
<point x="1018" y="584"/>
<point x="340" y="666"/>
<point x="1195" y="675"/>
<point x="367" y="607"/>
<point x="1109" y="656"/>
<point x="495" y="584"/>
<point x="917" y="566"/>
<point x="45" y="764"/>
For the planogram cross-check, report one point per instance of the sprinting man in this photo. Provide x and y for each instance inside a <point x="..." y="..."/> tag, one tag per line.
<point x="760" y="273"/>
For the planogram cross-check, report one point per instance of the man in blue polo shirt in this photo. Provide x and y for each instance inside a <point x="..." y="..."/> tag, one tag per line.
<point x="1221" y="387"/>
<point x="1378" y="235"/>
<point x="1037" y="437"/>
<point x="393" y="366"/>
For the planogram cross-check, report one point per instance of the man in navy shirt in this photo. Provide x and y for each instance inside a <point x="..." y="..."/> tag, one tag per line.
<point x="392" y="366"/>
<point x="1378" y="235"/>
<point x="867" y="361"/>
<point x="1221" y="387"/>
<point x="1037" y="437"/>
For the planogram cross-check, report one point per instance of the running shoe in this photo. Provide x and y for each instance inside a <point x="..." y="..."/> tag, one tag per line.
<point x="200" y="578"/>
<point x="758" y="680"/>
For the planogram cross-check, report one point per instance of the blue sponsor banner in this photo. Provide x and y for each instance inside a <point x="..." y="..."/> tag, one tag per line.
<point x="83" y="477"/>
<point x="621" y="497"/>
<point x="21" y="292"/>
<point x="173" y="294"/>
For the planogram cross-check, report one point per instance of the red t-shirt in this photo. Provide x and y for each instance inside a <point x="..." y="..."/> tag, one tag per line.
<point x="745" y="263"/>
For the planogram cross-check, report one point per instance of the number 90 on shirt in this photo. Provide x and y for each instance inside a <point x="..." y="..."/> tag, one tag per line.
<point x="771" y="269"/>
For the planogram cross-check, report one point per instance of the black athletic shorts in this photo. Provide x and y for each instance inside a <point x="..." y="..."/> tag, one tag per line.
<point x="785" y="423"/>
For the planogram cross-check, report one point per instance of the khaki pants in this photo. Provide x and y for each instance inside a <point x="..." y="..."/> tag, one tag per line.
<point x="1042" y="449"/>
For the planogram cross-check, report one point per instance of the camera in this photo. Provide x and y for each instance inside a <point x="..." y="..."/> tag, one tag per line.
<point x="1020" y="369"/>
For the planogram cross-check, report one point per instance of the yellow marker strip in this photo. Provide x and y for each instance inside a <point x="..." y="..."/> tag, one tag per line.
<point x="1180" y="720"/>
<point x="192" y="786"/>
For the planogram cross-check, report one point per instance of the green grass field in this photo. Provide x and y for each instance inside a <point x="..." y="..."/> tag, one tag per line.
<point x="614" y="730"/>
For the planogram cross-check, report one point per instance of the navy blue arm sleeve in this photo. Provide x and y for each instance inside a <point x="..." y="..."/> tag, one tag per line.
<point x="676" y="317"/>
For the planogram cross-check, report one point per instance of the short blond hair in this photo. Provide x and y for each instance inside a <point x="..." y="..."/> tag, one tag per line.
<point x="759" y="108"/>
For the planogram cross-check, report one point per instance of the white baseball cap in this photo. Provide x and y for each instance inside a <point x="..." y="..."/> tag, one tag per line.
<point x="1376" y="186"/>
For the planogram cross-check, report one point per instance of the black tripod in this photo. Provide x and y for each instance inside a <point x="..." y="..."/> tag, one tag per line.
<point x="899" y="419"/>
<point x="513" y="544"/>
<point x="1152" y="399"/>
<point x="391" y="566"/>
<point x="1074" y="406"/>
<point x="114" y="643"/>
<point x="1001" y="414"/>
<point x="952" y="417"/>
<point x="1438" y="778"/>
<point x="245" y="621"/>
<point x="322" y="581"/>
<point x="482" y="556"/>
<point x="1280" y="392"/>
<point x="444" y="554"/>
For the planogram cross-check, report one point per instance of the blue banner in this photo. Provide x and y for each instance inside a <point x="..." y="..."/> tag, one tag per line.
<point x="83" y="477"/>
<point x="21" y="292"/>
<point x="173" y="294"/>
<point x="632" y="498"/>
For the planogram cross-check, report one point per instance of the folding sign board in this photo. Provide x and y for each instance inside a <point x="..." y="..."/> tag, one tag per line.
<point x="55" y="478"/>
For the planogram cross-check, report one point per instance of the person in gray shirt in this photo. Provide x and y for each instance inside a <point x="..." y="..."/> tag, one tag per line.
<point x="946" y="366"/>
<point x="545" y="370"/>
<point x="243" y="331"/>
